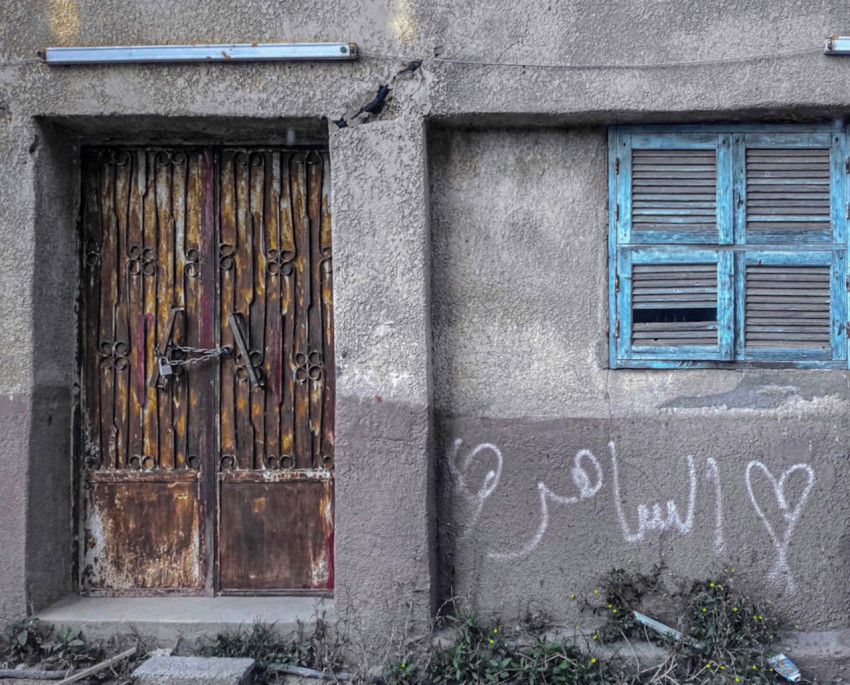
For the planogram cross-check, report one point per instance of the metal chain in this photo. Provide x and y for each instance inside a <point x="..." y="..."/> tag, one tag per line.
<point x="205" y="354"/>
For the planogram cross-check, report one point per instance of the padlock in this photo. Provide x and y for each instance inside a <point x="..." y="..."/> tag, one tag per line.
<point x="165" y="368"/>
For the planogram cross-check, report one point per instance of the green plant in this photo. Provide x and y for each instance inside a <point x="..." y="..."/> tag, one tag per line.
<point x="23" y="639"/>
<point x="67" y="648"/>
<point x="401" y="672"/>
<point x="482" y="654"/>
<point x="29" y="641"/>
<point x="262" y="642"/>
<point x="726" y="638"/>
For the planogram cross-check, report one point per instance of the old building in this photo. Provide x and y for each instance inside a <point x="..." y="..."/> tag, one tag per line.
<point x="570" y="295"/>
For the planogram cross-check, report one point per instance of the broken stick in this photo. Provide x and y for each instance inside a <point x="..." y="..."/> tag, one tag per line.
<point x="97" y="668"/>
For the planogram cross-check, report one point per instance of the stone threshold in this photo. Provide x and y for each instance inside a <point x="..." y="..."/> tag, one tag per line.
<point x="165" y="620"/>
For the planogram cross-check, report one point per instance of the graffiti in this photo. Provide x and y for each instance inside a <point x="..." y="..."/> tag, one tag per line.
<point x="781" y="570"/>
<point x="587" y="487"/>
<point x="653" y="517"/>
<point x="719" y="536"/>
<point x="458" y="473"/>
<point x="654" y="521"/>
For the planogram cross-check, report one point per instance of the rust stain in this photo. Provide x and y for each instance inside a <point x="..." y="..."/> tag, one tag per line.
<point x="143" y="535"/>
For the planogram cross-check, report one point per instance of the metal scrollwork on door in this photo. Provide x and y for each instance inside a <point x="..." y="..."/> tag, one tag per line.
<point x="225" y="256"/>
<point x="114" y="354"/>
<point x="282" y="463"/>
<point x="171" y="158"/>
<point x="279" y="262"/>
<point x="192" y="268"/>
<point x="141" y="260"/>
<point x="308" y="366"/>
<point x="142" y="462"/>
<point x="255" y="361"/>
<point x="92" y="253"/>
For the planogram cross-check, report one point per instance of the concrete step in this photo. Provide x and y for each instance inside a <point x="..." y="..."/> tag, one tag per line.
<point x="162" y="621"/>
<point x="194" y="670"/>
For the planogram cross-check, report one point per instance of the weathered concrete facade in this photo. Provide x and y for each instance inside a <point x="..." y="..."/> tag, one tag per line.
<point x="470" y="229"/>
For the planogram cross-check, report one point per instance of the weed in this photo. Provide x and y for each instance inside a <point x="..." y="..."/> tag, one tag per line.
<point x="726" y="637"/>
<point x="482" y="654"/>
<point x="263" y="642"/>
<point x="28" y="641"/>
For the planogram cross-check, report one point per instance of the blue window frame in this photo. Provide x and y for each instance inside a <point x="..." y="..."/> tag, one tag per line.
<point x="728" y="245"/>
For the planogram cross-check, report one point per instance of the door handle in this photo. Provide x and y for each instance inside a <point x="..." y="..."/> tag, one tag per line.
<point x="237" y="327"/>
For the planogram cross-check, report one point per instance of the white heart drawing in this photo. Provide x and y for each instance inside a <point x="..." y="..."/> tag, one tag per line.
<point x="791" y="515"/>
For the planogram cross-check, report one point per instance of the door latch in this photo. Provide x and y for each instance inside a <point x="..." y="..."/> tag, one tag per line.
<point x="237" y="327"/>
<point x="163" y="368"/>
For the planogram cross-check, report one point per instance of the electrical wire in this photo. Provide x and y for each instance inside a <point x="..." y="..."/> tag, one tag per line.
<point x="577" y="66"/>
<point x="591" y="66"/>
<point x="17" y="62"/>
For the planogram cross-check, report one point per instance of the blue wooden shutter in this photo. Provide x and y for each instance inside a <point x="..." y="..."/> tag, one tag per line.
<point x="789" y="188"/>
<point x="674" y="305"/>
<point x="675" y="188"/>
<point x="790" y="221"/>
<point x="671" y="295"/>
<point x="791" y="306"/>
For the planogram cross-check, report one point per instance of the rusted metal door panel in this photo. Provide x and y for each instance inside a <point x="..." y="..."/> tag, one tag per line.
<point x="143" y="533"/>
<point x="258" y="549"/>
<point x="190" y="250"/>
<point x="276" y="401"/>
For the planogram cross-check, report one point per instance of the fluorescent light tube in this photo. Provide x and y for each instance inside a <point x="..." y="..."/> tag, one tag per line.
<point x="225" y="52"/>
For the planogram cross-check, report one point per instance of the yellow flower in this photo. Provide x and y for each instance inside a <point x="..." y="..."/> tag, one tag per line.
<point x="737" y="679"/>
<point x="593" y="660"/>
<point x="495" y="630"/>
<point x="754" y="667"/>
<point x="596" y="592"/>
<point x="595" y="636"/>
<point x="704" y="610"/>
<point x="796" y="627"/>
<point x="708" y="665"/>
<point x="403" y="665"/>
<point x="711" y="584"/>
<point x="613" y="611"/>
<point x="734" y="608"/>
<point x="492" y="641"/>
<point x="722" y="668"/>
<point x="733" y="570"/>
<point x="573" y="595"/>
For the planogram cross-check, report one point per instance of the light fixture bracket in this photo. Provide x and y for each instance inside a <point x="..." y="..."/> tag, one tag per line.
<point x="837" y="45"/>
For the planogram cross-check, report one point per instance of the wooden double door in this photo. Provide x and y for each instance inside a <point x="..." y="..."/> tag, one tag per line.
<point x="207" y="371"/>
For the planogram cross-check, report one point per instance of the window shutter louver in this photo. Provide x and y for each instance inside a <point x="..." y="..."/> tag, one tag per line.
<point x="787" y="306"/>
<point x="787" y="192"/>
<point x="674" y="191"/>
<point x="674" y="304"/>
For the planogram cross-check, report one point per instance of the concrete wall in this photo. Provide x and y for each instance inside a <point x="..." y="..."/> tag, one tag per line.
<point x="519" y="311"/>
<point x="545" y="456"/>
